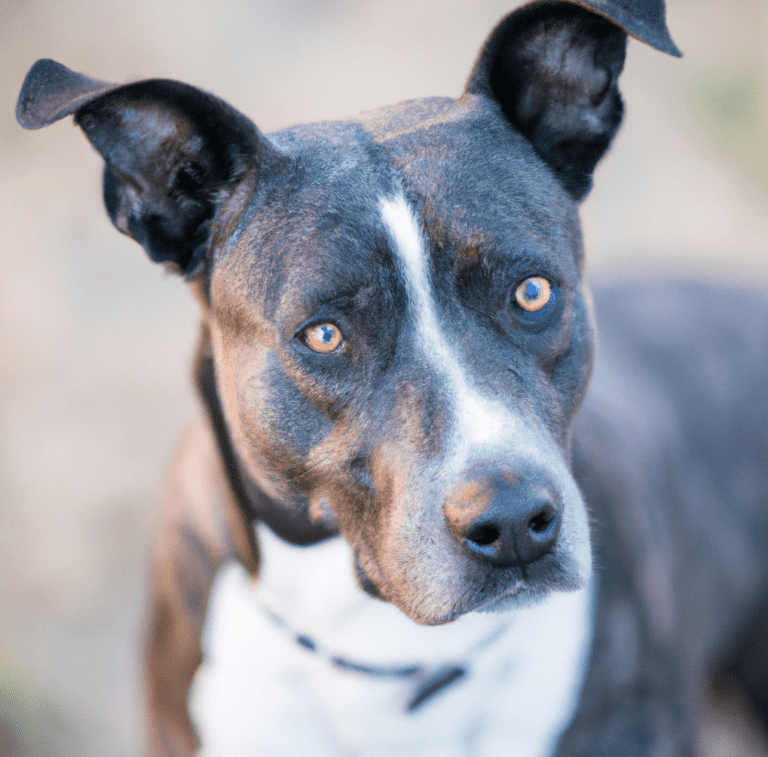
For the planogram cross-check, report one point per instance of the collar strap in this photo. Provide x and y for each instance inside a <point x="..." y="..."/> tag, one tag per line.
<point x="428" y="680"/>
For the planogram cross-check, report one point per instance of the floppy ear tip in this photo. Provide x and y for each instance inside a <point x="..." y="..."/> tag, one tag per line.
<point x="52" y="91"/>
<point x="645" y="21"/>
<point x="33" y="93"/>
<point x="654" y="35"/>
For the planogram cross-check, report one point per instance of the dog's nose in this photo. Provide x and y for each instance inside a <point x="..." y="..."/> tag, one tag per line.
<point x="508" y="525"/>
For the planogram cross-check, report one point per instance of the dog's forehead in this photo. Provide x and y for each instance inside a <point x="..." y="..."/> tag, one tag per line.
<point x="470" y="179"/>
<point x="474" y="180"/>
<point x="468" y="140"/>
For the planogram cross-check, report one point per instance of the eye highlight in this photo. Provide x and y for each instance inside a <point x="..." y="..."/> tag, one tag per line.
<point x="533" y="294"/>
<point x="323" y="338"/>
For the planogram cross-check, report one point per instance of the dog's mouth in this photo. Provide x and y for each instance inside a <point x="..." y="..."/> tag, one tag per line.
<point x="502" y="591"/>
<point x="503" y="600"/>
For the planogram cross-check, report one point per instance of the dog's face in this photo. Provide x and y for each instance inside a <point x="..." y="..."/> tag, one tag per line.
<point x="377" y="368"/>
<point x="394" y="303"/>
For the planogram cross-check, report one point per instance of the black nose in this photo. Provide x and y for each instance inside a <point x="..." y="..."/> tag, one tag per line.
<point x="519" y="526"/>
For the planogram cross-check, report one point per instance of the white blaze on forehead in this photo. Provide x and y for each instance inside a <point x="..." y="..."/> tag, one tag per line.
<point x="479" y="420"/>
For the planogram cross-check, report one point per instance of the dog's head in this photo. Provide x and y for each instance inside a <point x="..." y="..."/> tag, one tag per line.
<point x="394" y="303"/>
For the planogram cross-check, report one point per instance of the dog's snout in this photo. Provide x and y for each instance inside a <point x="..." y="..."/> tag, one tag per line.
<point x="505" y="525"/>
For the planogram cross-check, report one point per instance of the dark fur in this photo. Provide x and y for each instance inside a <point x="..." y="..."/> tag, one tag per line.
<point x="669" y="448"/>
<point x="671" y="454"/>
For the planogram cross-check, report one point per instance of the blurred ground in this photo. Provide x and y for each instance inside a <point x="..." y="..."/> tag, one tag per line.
<point x="95" y="342"/>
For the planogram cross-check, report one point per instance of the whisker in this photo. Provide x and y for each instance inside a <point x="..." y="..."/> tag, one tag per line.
<point x="304" y="472"/>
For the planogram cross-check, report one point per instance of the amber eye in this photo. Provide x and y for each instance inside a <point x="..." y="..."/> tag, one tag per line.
<point x="533" y="294"/>
<point x="323" y="338"/>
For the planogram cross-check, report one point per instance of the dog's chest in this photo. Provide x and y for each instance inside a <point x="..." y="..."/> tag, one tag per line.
<point x="259" y="691"/>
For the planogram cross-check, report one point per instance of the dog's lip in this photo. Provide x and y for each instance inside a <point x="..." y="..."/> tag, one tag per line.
<point x="510" y="592"/>
<point x="365" y="582"/>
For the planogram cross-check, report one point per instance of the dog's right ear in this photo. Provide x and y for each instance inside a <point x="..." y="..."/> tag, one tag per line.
<point x="174" y="154"/>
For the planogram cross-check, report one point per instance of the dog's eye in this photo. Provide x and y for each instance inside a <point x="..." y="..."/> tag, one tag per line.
<point x="534" y="294"/>
<point x="323" y="338"/>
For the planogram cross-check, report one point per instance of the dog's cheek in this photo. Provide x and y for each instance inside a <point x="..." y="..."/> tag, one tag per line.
<point x="555" y="385"/>
<point x="570" y="374"/>
<point x="280" y="429"/>
<point x="293" y="420"/>
<point x="267" y="439"/>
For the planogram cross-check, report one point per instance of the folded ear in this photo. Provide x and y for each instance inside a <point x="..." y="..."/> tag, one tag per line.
<point x="553" y="67"/>
<point x="174" y="154"/>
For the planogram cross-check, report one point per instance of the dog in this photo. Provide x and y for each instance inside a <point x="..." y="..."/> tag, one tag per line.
<point x="404" y="525"/>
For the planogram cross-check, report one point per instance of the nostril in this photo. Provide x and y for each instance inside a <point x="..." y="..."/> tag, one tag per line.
<point x="540" y="523"/>
<point x="483" y="535"/>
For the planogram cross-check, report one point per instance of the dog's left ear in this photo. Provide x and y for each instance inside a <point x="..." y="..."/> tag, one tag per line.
<point x="553" y="67"/>
<point x="173" y="153"/>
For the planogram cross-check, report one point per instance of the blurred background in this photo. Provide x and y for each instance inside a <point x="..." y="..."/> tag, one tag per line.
<point x="96" y="343"/>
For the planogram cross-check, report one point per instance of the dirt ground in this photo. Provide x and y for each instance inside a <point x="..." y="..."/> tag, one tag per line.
<point x="95" y="342"/>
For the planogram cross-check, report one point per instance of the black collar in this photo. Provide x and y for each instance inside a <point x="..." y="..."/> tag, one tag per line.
<point x="427" y="680"/>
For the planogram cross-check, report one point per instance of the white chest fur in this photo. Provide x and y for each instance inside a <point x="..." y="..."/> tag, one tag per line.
<point x="258" y="692"/>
